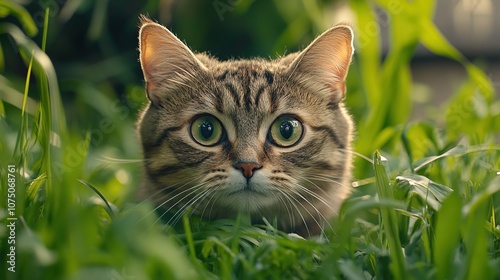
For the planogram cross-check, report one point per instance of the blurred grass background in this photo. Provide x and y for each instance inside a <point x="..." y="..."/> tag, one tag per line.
<point x="71" y="89"/>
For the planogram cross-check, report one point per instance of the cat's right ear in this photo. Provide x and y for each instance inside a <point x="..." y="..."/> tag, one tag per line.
<point x="324" y="64"/>
<point x="165" y="61"/>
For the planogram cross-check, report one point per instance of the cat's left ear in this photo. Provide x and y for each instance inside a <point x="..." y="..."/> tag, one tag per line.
<point x="323" y="65"/>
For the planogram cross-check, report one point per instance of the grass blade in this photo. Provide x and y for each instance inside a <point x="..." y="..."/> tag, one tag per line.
<point x="455" y="151"/>
<point x="431" y="193"/>
<point x="447" y="236"/>
<point x="21" y="14"/>
<point x="389" y="220"/>
<point x="45" y="29"/>
<point x="109" y="209"/>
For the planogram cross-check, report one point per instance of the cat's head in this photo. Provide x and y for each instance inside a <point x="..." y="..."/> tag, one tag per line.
<point x="270" y="138"/>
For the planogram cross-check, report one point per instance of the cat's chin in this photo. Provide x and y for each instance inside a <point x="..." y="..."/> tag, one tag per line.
<point x="248" y="200"/>
<point x="246" y="195"/>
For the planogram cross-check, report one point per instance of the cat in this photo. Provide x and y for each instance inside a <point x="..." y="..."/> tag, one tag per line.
<point x="270" y="138"/>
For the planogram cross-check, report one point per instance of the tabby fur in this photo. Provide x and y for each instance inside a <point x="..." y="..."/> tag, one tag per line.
<point x="302" y="185"/>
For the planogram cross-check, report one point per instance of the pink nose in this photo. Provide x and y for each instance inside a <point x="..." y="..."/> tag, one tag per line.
<point x="247" y="168"/>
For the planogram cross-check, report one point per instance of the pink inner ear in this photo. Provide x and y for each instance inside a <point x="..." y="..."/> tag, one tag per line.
<point x="326" y="60"/>
<point x="164" y="58"/>
<point x="146" y="51"/>
<point x="160" y="54"/>
<point x="146" y="54"/>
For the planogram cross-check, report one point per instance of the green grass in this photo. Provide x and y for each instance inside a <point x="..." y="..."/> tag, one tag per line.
<point x="427" y="206"/>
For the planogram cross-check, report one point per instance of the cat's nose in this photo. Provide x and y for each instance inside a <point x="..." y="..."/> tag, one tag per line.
<point x="247" y="168"/>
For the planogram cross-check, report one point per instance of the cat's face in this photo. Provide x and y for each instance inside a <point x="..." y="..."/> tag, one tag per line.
<point x="270" y="138"/>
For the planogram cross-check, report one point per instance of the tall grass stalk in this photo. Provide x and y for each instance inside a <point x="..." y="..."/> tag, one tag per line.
<point x="389" y="220"/>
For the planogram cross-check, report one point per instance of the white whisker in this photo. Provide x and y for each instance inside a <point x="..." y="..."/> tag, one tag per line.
<point x="113" y="160"/>
<point x="178" y="215"/>
<point x="208" y="202"/>
<point x="290" y="197"/>
<point x="357" y="154"/>
<point x="288" y="210"/>
<point x="190" y="191"/>
<point x="313" y="207"/>
<point x="313" y="194"/>
<point x="161" y="191"/>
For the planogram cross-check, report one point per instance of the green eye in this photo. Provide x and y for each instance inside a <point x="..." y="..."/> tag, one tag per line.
<point x="206" y="130"/>
<point x="286" y="131"/>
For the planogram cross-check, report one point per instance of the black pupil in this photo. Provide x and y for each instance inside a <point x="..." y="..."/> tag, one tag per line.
<point x="206" y="129"/>
<point x="286" y="129"/>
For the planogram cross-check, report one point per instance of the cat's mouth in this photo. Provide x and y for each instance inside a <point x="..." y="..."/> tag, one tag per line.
<point x="248" y="200"/>
<point x="248" y="189"/>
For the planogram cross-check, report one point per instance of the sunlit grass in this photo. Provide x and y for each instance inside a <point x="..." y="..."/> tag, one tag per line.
<point x="425" y="207"/>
